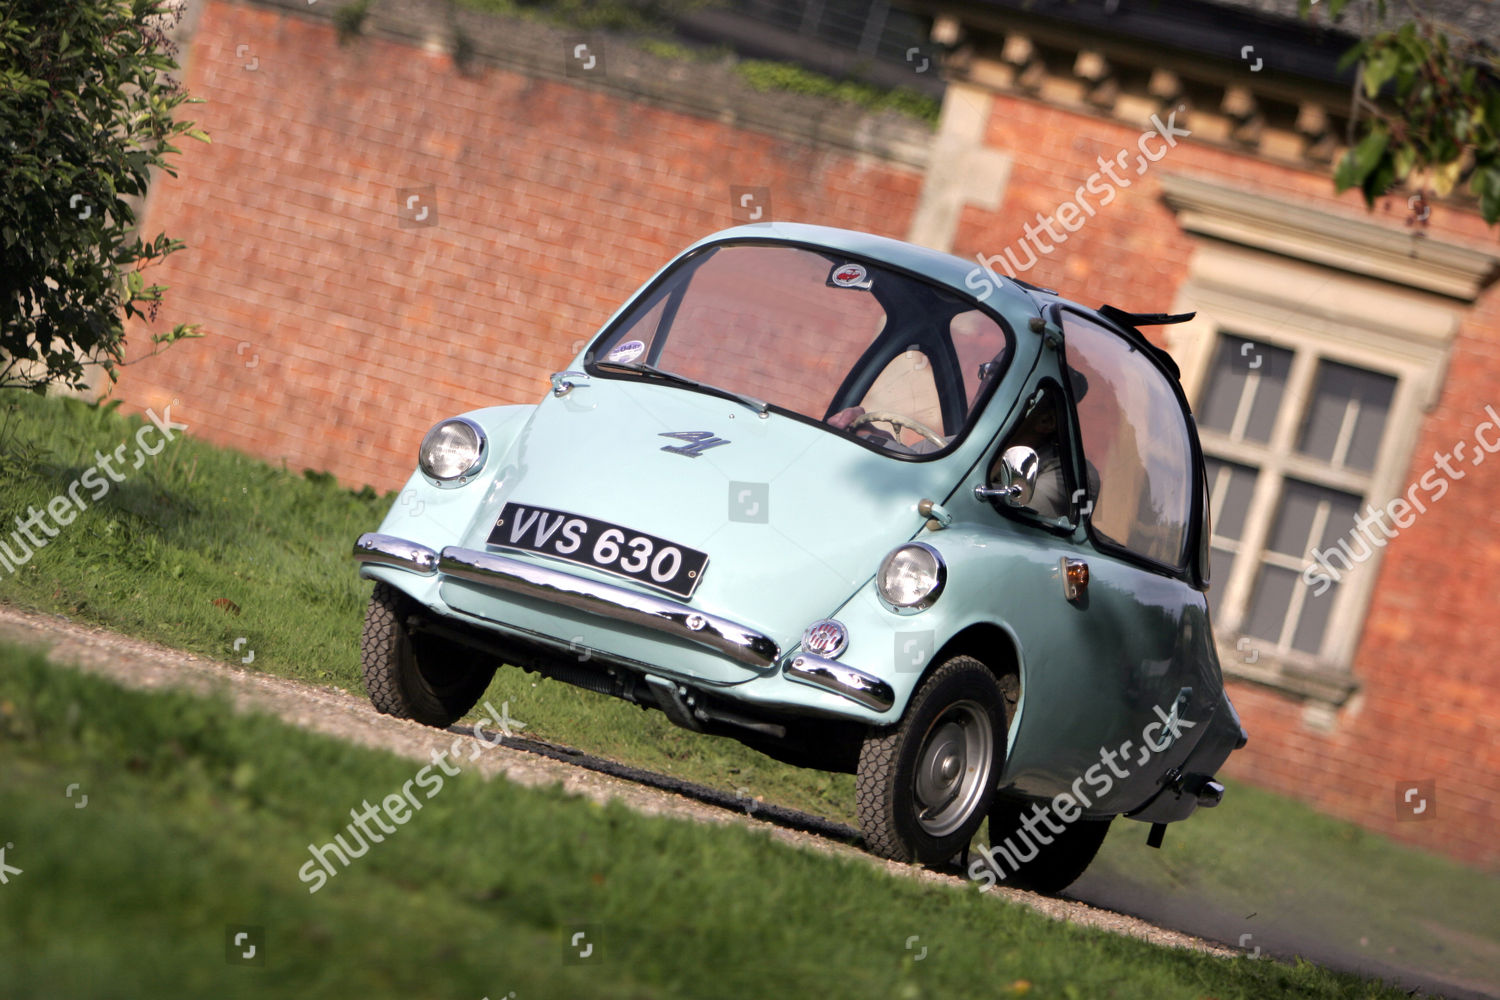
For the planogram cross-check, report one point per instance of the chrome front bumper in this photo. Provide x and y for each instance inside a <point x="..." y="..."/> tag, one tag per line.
<point x="619" y="604"/>
<point x="388" y="550"/>
<point x="831" y="675"/>
<point x="529" y="580"/>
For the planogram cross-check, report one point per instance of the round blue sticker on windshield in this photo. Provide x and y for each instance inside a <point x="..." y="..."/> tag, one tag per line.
<point x="626" y="352"/>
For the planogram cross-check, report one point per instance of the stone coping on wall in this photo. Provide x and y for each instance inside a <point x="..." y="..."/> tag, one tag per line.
<point x="707" y="89"/>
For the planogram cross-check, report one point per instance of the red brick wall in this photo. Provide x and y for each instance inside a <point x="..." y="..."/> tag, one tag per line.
<point x="1429" y="659"/>
<point x="336" y="336"/>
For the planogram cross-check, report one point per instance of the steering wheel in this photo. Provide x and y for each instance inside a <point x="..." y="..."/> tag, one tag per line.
<point x="897" y="420"/>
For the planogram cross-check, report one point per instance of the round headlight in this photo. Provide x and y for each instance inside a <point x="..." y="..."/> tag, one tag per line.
<point x="452" y="452"/>
<point x="911" y="578"/>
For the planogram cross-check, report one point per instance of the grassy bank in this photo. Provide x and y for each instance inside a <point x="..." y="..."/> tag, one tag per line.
<point x="197" y="821"/>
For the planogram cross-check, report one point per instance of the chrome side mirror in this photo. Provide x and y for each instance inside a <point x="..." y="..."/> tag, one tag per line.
<point x="1019" y="466"/>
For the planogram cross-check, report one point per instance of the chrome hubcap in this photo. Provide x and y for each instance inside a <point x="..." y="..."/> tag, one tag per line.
<point x="953" y="767"/>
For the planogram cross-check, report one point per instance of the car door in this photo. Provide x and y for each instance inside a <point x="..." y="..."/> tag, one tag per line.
<point x="1116" y="677"/>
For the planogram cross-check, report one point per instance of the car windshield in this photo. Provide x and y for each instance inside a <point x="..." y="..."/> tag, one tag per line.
<point x="889" y="360"/>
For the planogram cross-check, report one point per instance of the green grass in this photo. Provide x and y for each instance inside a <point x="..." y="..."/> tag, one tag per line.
<point x="764" y="75"/>
<point x="193" y="526"/>
<point x="197" y="821"/>
<point x="625" y="16"/>
<point x="197" y="524"/>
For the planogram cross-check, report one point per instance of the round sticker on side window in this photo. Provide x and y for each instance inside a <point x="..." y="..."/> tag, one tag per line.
<point x="627" y="352"/>
<point x="849" y="276"/>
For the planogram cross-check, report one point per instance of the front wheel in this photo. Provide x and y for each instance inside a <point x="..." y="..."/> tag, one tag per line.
<point x="423" y="678"/>
<point x="924" y="785"/>
<point x="1029" y="863"/>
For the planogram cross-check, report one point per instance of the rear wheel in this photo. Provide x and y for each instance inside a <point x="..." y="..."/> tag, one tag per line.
<point x="925" y="784"/>
<point x="1057" y="864"/>
<point x="423" y="678"/>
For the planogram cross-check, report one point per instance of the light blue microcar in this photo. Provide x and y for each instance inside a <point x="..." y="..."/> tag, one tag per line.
<point x="863" y="506"/>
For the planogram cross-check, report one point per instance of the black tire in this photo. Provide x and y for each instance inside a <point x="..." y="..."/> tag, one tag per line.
<point x="1058" y="864"/>
<point x="924" y="785"/>
<point x="415" y="677"/>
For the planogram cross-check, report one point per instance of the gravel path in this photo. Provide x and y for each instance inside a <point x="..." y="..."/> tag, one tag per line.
<point x="337" y="713"/>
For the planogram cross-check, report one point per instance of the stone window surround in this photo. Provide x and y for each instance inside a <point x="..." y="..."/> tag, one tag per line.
<point x="1323" y="286"/>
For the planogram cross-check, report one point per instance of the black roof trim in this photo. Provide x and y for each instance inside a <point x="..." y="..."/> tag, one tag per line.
<point x="1144" y="319"/>
<point x="1133" y="323"/>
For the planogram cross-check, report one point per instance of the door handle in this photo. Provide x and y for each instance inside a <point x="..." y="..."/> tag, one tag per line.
<point x="565" y="382"/>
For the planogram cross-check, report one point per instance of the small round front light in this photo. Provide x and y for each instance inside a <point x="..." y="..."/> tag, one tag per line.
<point x="452" y="452"/>
<point x="911" y="578"/>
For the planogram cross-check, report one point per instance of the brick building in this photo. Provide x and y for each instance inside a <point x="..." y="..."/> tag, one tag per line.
<point x="378" y="239"/>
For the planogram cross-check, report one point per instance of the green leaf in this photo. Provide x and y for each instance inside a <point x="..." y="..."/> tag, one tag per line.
<point x="1355" y="54"/>
<point x="1405" y="158"/>
<point x="1357" y="164"/>
<point x="1379" y="180"/>
<point x="1380" y="67"/>
<point x="1491" y="115"/>
<point x="1486" y="185"/>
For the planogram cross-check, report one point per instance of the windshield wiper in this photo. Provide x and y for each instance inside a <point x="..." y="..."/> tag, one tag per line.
<point x="649" y="369"/>
<point x="757" y="405"/>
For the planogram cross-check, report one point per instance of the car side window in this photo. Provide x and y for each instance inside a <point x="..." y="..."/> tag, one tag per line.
<point x="980" y="346"/>
<point x="1042" y="429"/>
<point x="1133" y="432"/>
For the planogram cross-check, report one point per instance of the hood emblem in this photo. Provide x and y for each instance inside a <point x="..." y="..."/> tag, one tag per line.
<point x="701" y="441"/>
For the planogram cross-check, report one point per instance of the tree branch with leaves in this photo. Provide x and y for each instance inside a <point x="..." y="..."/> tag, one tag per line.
<point x="87" y="112"/>
<point x="1426" y="105"/>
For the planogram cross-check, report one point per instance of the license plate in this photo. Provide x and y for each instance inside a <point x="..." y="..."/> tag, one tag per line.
<point x="607" y="547"/>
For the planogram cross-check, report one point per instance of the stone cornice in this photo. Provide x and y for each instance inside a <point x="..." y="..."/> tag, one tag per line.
<point x="1270" y="92"/>
<point x="1336" y="241"/>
